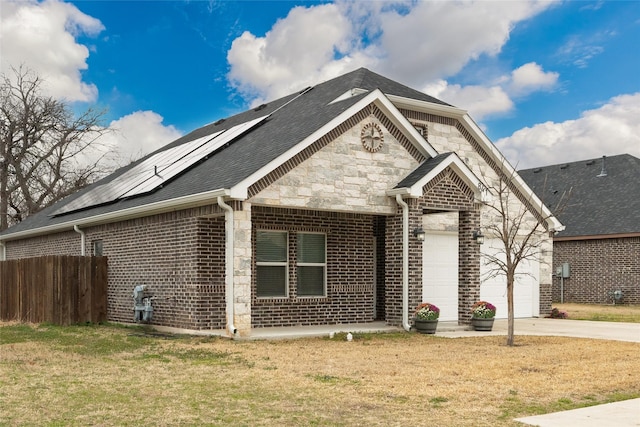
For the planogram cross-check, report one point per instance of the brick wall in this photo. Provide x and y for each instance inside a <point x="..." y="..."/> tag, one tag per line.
<point x="178" y="255"/>
<point x="65" y="243"/>
<point x="350" y="269"/>
<point x="598" y="267"/>
<point x="445" y="191"/>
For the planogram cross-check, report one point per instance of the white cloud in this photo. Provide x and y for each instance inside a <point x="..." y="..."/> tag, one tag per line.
<point x="410" y="42"/>
<point x="438" y="38"/>
<point x="582" y="48"/>
<point x="479" y="101"/>
<point x="496" y="97"/>
<point x="299" y="50"/>
<point x="138" y="134"/>
<point x="531" y="77"/>
<point x="609" y="130"/>
<point x="41" y="36"/>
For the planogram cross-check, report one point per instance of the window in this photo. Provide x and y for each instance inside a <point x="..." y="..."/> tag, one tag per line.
<point x="97" y="248"/>
<point x="271" y="263"/>
<point x="311" y="264"/>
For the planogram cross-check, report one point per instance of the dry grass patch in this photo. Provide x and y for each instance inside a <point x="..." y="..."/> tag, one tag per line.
<point x="48" y="377"/>
<point x="607" y="313"/>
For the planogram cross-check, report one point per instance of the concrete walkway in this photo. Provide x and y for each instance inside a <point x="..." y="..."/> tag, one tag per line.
<point x="617" y="414"/>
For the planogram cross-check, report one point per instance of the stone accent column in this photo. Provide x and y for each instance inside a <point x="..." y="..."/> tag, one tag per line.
<point x="242" y="268"/>
<point x="469" y="264"/>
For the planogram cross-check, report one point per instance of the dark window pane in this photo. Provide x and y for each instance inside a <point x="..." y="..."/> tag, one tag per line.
<point x="310" y="281"/>
<point x="271" y="281"/>
<point x="311" y="248"/>
<point x="271" y="246"/>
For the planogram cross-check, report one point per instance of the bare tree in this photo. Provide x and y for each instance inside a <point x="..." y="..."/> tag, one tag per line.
<point x="521" y="226"/>
<point x="46" y="151"/>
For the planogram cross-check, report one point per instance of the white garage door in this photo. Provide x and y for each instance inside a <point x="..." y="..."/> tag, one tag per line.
<point x="440" y="272"/>
<point x="526" y="291"/>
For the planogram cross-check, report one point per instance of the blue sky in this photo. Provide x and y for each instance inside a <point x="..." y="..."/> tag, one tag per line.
<point x="549" y="82"/>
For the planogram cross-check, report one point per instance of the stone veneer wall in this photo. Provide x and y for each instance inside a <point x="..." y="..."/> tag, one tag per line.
<point x="178" y="255"/>
<point x="598" y="267"/>
<point x="448" y="134"/>
<point x="350" y="269"/>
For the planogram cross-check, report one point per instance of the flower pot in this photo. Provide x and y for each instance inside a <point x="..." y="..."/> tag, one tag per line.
<point x="480" y="324"/>
<point x="426" y="326"/>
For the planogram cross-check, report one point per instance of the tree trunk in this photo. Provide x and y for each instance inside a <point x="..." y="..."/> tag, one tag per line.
<point x="510" y="321"/>
<point x="4" y="194"/>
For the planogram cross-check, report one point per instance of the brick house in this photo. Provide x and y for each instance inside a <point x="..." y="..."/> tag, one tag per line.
<point x="601" y="242"/>
<point x="302" y="211"/>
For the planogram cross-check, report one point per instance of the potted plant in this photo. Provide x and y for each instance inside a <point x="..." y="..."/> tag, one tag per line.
<point x="426" y="318"/>
<point x="483" y="314"/>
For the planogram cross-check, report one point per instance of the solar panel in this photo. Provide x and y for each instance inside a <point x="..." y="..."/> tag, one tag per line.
<point x="157" y="169"/>
<point x="191" y="157"/>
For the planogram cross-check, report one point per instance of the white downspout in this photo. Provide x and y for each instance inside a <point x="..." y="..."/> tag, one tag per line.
<point x="229" y="257"/>
<point x="405" y="262"/>
<point x="3" y="252"/>
<point x="82" y="238"/>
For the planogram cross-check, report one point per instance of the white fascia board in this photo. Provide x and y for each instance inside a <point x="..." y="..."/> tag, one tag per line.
<point x="391" y="110"/>
<point x="552" y="222"/>
<point x="124" y="214"/>
<point x="377" y="97"/>
<point x="427" y="107"/>
<point x="402" y="191"/>
<point x="476" y="132"/>
<point x="458" y="166"/>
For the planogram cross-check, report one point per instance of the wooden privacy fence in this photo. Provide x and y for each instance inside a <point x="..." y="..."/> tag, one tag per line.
<point x="62" y="290"/>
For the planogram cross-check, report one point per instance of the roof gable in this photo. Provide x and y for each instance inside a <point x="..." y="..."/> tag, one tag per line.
<point x="414" y="183"/>
<point x="366" y="103"/>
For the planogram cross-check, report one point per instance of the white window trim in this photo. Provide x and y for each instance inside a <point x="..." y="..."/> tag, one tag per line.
<point x="315" y="264"/>
<point x="285" y="264"/>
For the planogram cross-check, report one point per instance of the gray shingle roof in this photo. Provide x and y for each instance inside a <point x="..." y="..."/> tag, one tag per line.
<point x="602" y="205"/>
<point x="294" y="117"/>
<point x="423" y="169"/>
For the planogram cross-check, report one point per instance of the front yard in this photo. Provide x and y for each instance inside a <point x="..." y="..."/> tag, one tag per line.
<point x="110" y="375"/>
<point x="606" y="313"/>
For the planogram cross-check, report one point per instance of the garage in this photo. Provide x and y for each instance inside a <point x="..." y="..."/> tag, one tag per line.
<point x="526" y="292"/>
<point x="440" y="272"/>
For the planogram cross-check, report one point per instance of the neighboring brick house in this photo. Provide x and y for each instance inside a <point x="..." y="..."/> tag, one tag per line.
<point x="601" y="242"/>
<point x="301" y="211"/>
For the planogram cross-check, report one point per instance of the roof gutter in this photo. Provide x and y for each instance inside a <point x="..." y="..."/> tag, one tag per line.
<point x="595" y="237"/>
<point x="83" y="239"/>
<point x="229" y="267"/>
<point x="123" y="214"/>
<point x="405" y="262"/>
